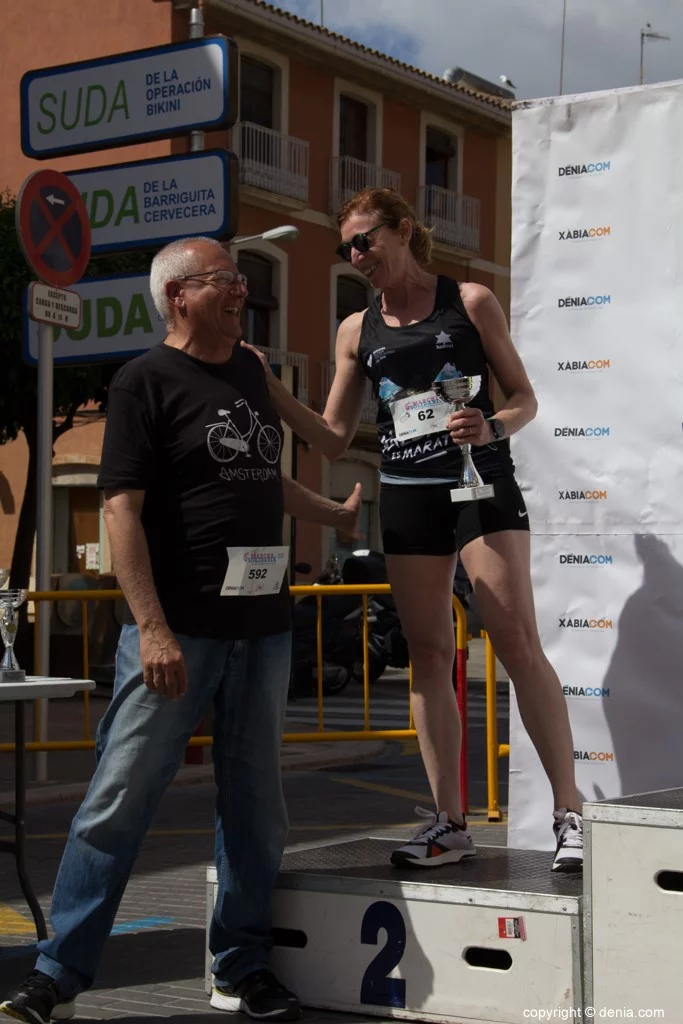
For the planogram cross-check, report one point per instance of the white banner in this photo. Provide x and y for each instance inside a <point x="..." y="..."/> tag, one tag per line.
<point x="597" y="315"/>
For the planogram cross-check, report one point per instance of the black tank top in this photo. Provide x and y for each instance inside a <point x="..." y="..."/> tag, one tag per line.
<point x="402" y="363"/>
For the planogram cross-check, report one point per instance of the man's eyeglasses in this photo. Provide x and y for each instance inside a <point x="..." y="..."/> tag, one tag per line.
<point x="223" y="278"/>
<point x="360" y="242"/>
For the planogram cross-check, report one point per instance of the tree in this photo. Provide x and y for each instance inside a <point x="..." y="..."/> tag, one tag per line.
<point x="74" y="386"/>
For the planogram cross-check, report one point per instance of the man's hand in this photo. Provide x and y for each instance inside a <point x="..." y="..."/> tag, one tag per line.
<point x="163" y="664"/>
<point x="349" y="516"/>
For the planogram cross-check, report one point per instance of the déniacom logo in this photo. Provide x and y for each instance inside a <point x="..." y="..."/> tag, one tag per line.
<point x="584" y="302"/>
<point x="584" y="559"/>
<point x="579" y="170"/>
<point x="593" y="432"/>
<point x="584" y="234"/>
<point x="586" y="691"/>
<point x="583" y="365"/>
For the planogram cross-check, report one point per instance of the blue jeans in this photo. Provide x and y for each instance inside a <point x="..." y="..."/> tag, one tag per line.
<point x="140" y="744"/>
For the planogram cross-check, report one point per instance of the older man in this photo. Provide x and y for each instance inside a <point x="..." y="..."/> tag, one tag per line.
<point x="194" y="504"/>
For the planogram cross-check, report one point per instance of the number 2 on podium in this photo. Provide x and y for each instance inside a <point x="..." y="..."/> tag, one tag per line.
<point x="377" y="989"/>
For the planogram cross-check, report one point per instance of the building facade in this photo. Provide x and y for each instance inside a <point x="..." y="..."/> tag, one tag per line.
<point x="320" y="117"/>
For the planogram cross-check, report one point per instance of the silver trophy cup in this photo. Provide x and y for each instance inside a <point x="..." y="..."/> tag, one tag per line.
<point x="459" y="391"/>
<point x="10" y="602"/>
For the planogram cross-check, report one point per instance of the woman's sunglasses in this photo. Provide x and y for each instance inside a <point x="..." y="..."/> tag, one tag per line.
<point x="360" y="242"/>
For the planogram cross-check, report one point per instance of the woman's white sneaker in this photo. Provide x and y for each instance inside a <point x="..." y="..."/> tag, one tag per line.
<point x="440" y="841"/>
<point x="568" y="829"/>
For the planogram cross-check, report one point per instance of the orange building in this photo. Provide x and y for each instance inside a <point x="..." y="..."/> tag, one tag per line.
<point x="321" y="116"/>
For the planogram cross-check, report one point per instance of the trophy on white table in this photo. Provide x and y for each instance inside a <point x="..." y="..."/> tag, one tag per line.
<point x="10" y="603"/>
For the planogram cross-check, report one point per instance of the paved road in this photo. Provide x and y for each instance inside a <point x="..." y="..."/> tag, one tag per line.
<point x="154" y="961"/>
<point x="388" y="707"/>
<point x="389" y="710"/>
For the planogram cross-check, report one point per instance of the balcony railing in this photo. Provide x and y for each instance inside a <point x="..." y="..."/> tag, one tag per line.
<point x="348" y="176"/>
<point x="280" y="357"/>
<point x="272" y="161"/>
<point x="369" y="412"/>
<point x="453" y="217"/>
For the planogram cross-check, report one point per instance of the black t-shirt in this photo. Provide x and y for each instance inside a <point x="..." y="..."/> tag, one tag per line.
<point x="203" y="442"/>
<point x="404" y="361"/>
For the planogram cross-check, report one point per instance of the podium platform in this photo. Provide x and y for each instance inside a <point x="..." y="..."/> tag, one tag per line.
<point x="633" y="927"/>
<point x="484" y="940"/>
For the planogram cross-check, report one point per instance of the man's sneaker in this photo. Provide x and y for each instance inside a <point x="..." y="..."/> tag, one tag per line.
<point x="260" y="995"/>
<point x="568" y="829"/>
<point x="38" y="1001"/>
<point x="438" y="842"/>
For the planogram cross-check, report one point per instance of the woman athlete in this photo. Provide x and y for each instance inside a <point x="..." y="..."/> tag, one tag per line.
<point x="422" y="329"/>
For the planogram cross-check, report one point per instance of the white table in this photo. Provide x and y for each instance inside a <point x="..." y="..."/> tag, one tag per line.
<point x="19" y="693"/>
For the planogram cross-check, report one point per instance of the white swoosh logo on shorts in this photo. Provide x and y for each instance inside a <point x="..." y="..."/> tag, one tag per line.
<point x="522" y="514"/>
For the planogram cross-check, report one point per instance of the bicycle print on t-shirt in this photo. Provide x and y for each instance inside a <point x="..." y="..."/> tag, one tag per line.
<point x="225" y="440"/>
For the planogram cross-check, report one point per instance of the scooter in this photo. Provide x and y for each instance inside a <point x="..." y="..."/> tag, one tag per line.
<point x="342" y="626"/>
<point x="341" y="634"/>
<point x="386" y="642"/>
<point x="387" y="645"/>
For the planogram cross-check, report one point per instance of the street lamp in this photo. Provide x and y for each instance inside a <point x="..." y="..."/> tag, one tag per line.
<point x="283" y="233"/>
<point x="564" y="25"/>
<point x="646" y="33"/>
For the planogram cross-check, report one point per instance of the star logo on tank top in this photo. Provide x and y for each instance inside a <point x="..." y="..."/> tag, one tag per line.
<point x="443" y="340"/>
<point x="376" y="357"/>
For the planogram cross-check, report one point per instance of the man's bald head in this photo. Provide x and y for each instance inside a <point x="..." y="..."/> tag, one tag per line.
<point x="177" y="260"/>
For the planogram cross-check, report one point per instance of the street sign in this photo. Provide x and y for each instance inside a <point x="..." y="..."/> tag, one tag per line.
<point x="149" y="203"/>
<point x="53" y="228"/>
<point x="49" y="305"/>
<point x="119" y="322"/>
<point x="130" y="97"/>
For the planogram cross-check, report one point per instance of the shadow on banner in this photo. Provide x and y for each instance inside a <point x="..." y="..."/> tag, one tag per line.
<point x="645" y="675"/>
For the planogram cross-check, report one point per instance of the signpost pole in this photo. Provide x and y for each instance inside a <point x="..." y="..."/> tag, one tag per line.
<point x="44" y="523"/>
<point x="196" y="32"/>
<point x="195" y="755"/>
<point x="49" y="210"/>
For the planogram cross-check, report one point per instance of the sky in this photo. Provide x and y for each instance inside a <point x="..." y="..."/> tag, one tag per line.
<point x="517" y="38"/>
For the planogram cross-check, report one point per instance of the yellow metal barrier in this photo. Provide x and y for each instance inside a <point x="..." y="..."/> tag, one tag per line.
<point x="366" y="733"/>
<point x="322" y="735"/>
<point x="494" y="749"/>
<point x="38" y="597"/>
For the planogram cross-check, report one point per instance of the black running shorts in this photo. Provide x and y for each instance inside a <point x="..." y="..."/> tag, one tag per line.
<point x="421" y="519"/>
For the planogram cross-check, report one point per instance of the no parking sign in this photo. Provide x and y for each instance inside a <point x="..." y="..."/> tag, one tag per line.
<point x="53" y="228"/>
